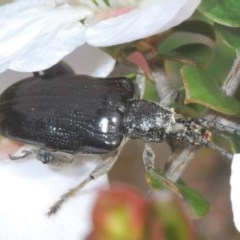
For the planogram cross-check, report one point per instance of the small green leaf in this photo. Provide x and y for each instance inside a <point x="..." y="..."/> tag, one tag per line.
<point x="196" y="202"/>
<point x="153" y="182"/>
<point x="234" y="142"/>
<point x="194" y="54"/>
<point x="230" y="36"/>
<point x="131" y="76"/>
<point x="157" y="180"/>
<point x="191" y="109"/>
<point x="198" y="27"/>
<point x="201" y="89"/>
<point x="177" y="40"/>
<point x="225" y="12"/>
<point x="222" y="60"/>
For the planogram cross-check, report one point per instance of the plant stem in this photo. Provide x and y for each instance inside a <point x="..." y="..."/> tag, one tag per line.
<point x="232" y="82"/>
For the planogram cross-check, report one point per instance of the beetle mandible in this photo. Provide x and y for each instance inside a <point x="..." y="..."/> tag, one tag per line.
<point x="63" y="114"/>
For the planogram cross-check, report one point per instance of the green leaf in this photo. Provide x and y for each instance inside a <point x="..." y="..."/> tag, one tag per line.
<point x="234" y="142"/>
<point x="153" y="182"/>
<point x="198" y="27"/>
<point x="230" y="36"/>
<point x="194" y="54"/>
<point x="225" y="12"/>
<point x="176" y="40"/>
<point x="197" y="203"/>
<point x="223" y="58"/>
<point x="201" y="89"/>
<point x="132" y="75"/>
<point x="191" y="109"/>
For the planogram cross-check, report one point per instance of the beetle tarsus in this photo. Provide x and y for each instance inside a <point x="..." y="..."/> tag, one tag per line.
<point x="25" y="153"/>
<point x="73" y="191"/>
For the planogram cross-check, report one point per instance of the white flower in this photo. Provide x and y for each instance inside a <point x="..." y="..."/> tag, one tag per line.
<point x="35" y="34"/>
<point x="235" y="190"/>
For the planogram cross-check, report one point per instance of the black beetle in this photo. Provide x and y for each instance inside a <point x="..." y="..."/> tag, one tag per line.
<point x="65" y="114"/>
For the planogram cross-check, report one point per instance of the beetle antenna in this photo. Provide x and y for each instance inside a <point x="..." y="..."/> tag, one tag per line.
<point x="217" y="148"/>
<point x="219" y="126"/>
<point x="206" y="143"/>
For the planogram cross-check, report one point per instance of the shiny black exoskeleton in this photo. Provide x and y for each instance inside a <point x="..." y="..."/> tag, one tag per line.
<point x="68" y="112"/>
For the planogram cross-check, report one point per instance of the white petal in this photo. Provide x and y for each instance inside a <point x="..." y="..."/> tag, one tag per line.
<point x="34" y="37"/>
<point x="91" y="61"/>
<point x="101" y="65"/>
<point x="29" y="188"/>
<point x="235" y="190"/>
<point x="151" y="17"/>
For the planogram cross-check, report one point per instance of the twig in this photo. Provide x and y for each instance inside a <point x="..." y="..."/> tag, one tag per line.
<point x="178" y="163"/>
<point x="232" y="82"/>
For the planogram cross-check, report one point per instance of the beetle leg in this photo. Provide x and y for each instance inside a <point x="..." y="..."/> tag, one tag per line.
<point x="55" y="159"/>
<point x="25" y="153"/>
<point x="148" y="156"/>
<point x="102" y="168"/>
<point x="149" y="160"/>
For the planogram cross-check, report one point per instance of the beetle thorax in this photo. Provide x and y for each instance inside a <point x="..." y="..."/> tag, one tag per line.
<point x="147" y="120"/>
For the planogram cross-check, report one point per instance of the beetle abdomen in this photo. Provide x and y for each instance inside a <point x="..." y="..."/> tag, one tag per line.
<point x="68" y="113"/>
